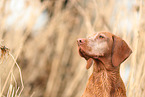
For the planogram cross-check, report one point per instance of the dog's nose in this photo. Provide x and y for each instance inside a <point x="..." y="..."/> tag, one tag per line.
<point x="81" y="41"/>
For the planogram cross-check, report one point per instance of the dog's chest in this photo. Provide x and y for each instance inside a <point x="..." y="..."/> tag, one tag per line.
<point x="99" y="85"/>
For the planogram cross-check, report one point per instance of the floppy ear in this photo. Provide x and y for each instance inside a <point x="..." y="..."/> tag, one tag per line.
<point x="120" y="51"/>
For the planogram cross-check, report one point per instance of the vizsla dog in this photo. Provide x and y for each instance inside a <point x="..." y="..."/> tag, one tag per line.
<point x="108" y="52"/>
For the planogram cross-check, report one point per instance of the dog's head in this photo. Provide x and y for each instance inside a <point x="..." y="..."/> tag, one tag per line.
<point x="102" y="45"/>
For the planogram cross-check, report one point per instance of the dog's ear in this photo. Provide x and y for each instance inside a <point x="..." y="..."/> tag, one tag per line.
<point x="120" y="51"/>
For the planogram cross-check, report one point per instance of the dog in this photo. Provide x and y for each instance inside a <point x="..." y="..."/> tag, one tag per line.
<point x="108" y="52"/>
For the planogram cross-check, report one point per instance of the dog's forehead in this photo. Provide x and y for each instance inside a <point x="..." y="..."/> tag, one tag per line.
<point x="107" y="34"/>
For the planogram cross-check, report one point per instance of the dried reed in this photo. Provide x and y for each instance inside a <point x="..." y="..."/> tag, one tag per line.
<point x="48" y="56"/>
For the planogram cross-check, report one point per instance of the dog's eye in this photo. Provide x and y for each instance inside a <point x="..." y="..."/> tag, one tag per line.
<point x="101" y="36"/>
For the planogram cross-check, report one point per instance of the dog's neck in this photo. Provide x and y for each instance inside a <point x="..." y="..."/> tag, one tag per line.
<point x="107" y="71"/>
<point x="106" y="78"/>
<point x="104" y="64"/>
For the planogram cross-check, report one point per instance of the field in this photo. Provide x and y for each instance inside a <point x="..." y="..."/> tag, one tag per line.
<point x="40" y="57"/>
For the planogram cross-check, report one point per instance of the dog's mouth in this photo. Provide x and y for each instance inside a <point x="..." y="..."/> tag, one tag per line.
<point x="88" y="57"/>
<point x="83" y="54"/>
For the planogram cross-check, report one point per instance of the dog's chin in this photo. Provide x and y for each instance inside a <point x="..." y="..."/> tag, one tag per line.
<point x="87" y="55"/>
<point x="83" y="54"/>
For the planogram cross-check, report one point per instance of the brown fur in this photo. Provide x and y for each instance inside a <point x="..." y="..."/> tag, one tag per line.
<point x="108" y="52"/>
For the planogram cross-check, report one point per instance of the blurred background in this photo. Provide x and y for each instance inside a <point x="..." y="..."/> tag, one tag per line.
<point x="42" y="34"/>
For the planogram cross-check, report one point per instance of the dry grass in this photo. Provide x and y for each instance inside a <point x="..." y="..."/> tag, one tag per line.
<point x="48" y="56"/>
